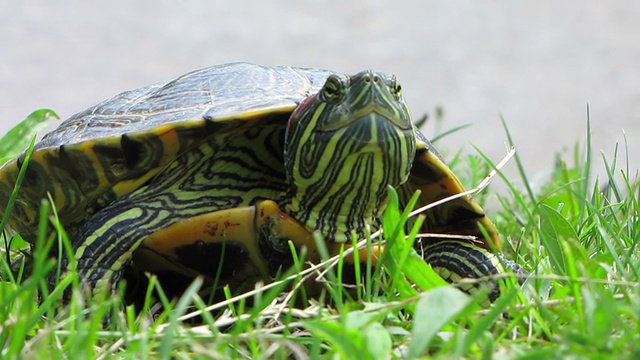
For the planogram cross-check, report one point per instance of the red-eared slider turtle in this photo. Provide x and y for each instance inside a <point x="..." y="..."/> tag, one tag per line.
<point x="240" y="158"/>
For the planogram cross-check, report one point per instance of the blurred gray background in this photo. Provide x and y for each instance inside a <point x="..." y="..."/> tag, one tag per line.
<point x="536" y="63"/>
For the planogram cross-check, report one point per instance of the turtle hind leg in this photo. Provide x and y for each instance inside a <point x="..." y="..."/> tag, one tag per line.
<point x="457" y="260"/>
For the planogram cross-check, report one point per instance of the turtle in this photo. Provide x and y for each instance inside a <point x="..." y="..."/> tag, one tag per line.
<point x="213" y="173"/>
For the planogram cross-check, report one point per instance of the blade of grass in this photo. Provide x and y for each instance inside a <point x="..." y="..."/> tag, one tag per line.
<point x="587" y="167"/>
<point x="17" y="139"/>
<point x="523" y="175"/>
<point x="448" y="132"/>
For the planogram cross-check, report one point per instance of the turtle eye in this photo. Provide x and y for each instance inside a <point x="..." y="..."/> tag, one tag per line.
<point x="396" y="88"/>
<point x="332" y="88"/>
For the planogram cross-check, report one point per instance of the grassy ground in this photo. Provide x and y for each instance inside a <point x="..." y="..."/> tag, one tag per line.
<point x="577" y="237"/>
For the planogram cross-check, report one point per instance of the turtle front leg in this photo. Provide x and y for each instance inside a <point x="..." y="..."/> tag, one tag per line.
<point x="457" y="260"/>
<point x="282" y="226"/>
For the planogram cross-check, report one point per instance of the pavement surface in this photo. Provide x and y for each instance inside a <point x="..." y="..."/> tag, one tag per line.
<point x="535" y="64"/>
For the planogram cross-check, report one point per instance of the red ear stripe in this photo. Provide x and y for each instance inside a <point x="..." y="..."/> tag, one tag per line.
<point x="301" y="106"/>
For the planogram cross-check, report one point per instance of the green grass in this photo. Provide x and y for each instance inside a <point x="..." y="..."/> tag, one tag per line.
<point x="577" y="236"/>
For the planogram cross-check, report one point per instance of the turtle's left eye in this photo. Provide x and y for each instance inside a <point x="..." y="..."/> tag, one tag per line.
<point x="396" y="88"/>
<point x="332" y="88"/>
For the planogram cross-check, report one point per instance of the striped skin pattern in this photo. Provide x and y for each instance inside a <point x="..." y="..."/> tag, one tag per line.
<point x="469" y="262"/>
<point x="344" y="147"/>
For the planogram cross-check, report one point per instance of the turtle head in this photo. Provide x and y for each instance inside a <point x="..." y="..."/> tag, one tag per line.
<point x="344" y="146"/>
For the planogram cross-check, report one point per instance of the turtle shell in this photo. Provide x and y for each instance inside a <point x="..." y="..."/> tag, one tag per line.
<point x="111" y="149"/>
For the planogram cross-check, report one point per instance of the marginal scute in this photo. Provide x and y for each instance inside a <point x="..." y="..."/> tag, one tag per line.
<point x="132" y="150"/>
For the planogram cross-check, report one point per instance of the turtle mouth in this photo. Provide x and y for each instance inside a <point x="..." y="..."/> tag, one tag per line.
<point x="382" y="110"/>
<point x="373" y="126"/>
<point x="371" y="131"/>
